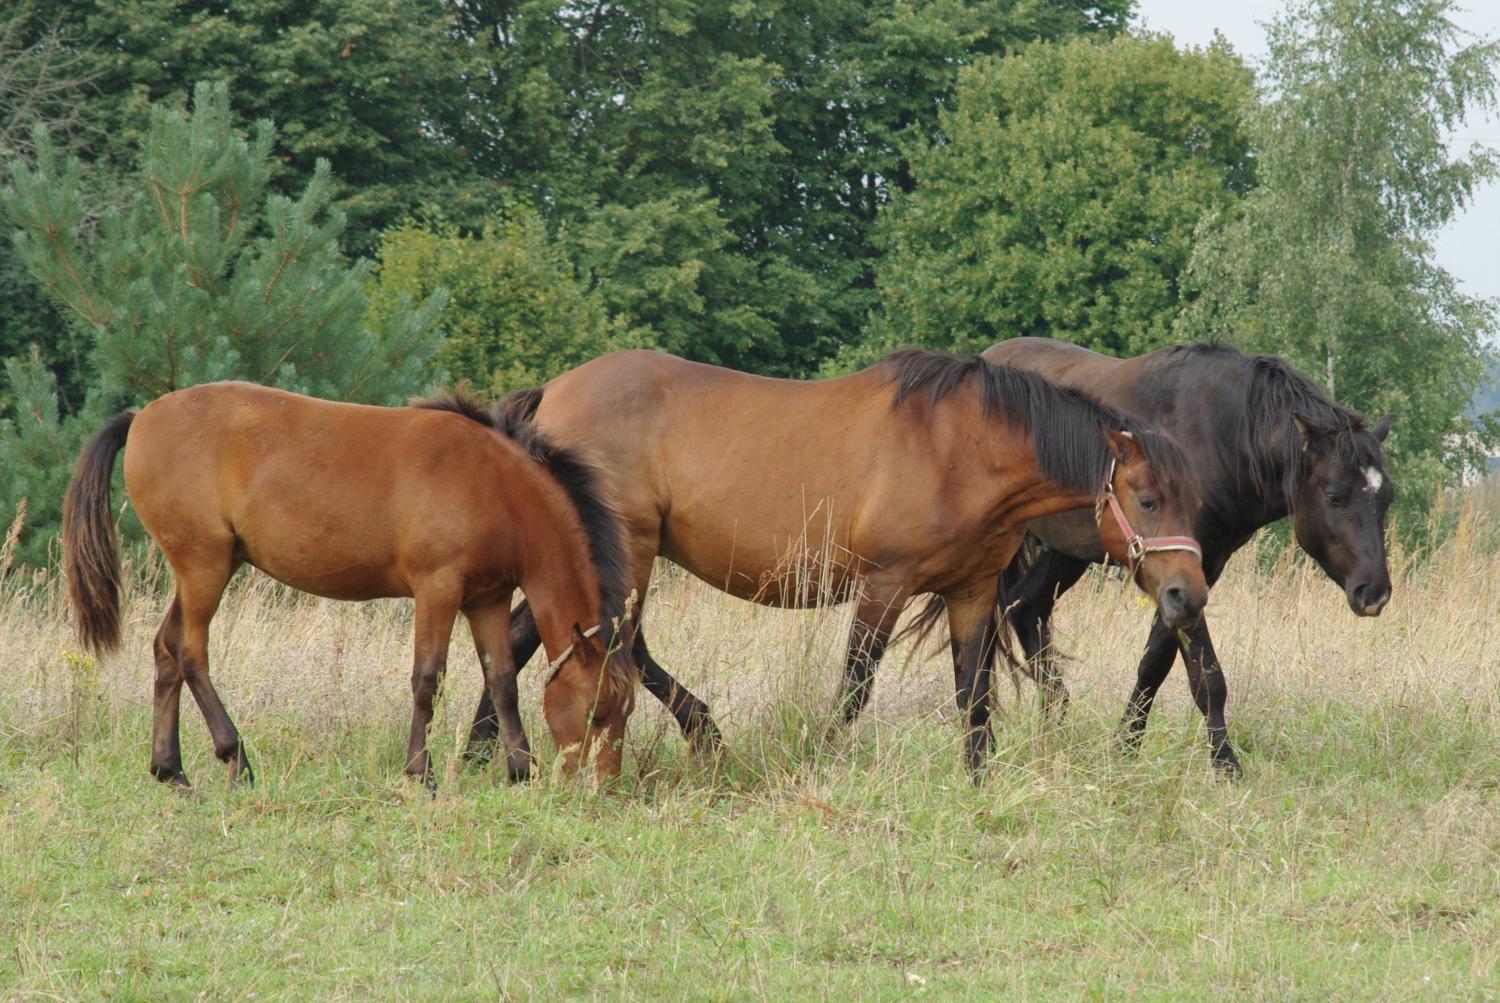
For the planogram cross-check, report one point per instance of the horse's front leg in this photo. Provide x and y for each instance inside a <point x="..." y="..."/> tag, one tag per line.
<point x="973" y="638"/>
<point x="524" y="640"/>
<point x="1156" y="662"/>
<point x="490" y="625"/>
<point x="1206" y="680"/>
<point x="687" y="709"/>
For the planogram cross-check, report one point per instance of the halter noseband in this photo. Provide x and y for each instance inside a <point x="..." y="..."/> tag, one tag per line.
<point x="1137" y="546"/>
<point x="556" y="663"/>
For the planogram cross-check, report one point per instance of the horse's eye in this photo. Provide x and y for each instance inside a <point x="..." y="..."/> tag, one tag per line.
<point x="1336" y="500"/>
<point x="1148" y="505"/>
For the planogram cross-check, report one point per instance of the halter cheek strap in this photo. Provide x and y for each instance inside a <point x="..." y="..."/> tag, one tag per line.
<point x="567" y="652"/>
<point x="1137" y="546"/>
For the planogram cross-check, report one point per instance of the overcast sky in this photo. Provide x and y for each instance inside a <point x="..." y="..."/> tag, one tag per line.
<point x="1467" y="246"/>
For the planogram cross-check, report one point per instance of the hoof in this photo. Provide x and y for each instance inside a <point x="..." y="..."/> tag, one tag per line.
<point x="1227" y="765"/>
<point x="976" y="753"/>
<point x="704" y="738"/>
<point x="518" y="769"/>
<point x="241" y="775"/>
<point x="483" y="738"/>
<point x="171" y="776"/>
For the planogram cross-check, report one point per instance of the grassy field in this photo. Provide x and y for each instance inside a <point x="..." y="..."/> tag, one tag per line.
<point x="1358" y="859"/>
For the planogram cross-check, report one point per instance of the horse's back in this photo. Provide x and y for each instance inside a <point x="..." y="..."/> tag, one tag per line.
<point x="331" y="498"/>
<point x="1063" y="362"/>
<point x="728" y="473"/>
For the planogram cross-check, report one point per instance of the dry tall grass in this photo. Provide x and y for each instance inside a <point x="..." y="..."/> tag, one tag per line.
<point x="324" y="668"/>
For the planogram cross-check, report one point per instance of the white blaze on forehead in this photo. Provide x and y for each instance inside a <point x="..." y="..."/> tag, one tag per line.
<point x="1373" y="480"/>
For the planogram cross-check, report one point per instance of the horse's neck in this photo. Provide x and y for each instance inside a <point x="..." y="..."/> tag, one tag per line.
<point x="1027" y="493"/>
<point x="561" y="587"/>
<point x="1249" y="494"/>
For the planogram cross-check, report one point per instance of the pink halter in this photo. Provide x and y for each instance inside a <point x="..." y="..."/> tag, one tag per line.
<point x="1137" y="546"/>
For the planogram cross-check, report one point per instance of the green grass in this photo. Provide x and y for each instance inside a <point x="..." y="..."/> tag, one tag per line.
<point x="1358" y="859"/>
<point x="1360" y="867"/>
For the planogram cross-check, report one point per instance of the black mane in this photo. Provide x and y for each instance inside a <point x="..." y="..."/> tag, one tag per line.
<point x="579" y="480"/>
<point x="1272" y="393"/>
<point x="1066" y="425"/>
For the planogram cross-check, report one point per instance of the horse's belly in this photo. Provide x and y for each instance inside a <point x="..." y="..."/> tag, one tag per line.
<point x="762" y="567"/>
<point x="314" y="551"/>
<point x="316" y="574"/>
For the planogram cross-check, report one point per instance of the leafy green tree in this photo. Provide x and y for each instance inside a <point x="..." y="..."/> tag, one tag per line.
<point x="202" y="277"/>
<point x="1063" y="199"/>
<point x="715" y="166"/>
<point x="374" y="87"/>
<point x="1328" y="261"/>
<point x="517" y="315"/>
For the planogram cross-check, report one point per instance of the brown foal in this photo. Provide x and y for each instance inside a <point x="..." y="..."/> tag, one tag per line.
<point x="441" y="502"/>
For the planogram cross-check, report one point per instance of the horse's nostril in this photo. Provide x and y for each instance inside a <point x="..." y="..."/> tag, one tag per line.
<point x="1174" y="596"/>
<point x="1368" y="598"/>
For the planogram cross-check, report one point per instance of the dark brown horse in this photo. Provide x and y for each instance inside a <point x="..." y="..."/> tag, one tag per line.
<point x="917" y="475"/>
<point x="439" y="502"/>
<point x="1264" y="442"/>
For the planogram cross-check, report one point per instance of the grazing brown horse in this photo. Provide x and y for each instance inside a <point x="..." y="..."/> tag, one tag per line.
<point x="916" y="475"/>
<point x="441" y="502"/>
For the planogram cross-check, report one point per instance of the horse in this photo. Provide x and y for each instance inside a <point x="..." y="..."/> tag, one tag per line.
<point x="440" y="501"/>
<point x="1264" y="442"/>
<point x="916" y="475"/>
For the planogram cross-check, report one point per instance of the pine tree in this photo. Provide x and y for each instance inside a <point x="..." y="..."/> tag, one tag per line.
<point x="203" y="276"/>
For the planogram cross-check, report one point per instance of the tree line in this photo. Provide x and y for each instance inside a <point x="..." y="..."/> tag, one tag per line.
<point x="362" y="198"/>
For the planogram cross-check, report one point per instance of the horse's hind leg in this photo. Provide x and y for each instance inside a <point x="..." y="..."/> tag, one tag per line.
<point x="873" y="622"/>
<point x="490" y="626"/>
<point x="436" y="611"/>
<point x="166" y="743"/>
<point x="199" y="589"/>
<point x="691" y="713"/>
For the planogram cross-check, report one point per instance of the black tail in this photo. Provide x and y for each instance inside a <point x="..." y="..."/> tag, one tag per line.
<point x="518" y="409"/>
<point x="922" y="625"/>
<point x="90" y="555"/>
<point x="925" y="622"/>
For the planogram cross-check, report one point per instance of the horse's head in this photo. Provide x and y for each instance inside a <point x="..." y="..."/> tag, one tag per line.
<point x="588" y="700"/>
<point x="1339" y="505"/>
<point x="1146" y="514"/>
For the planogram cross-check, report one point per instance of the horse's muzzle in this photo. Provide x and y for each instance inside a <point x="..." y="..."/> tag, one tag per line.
<point x="1180" y="605"/>
<point x="1369" y="598"/>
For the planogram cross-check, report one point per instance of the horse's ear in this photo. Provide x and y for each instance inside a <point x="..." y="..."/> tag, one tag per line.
<point x="1122" y="446"/>
<point x="1303" y="429"/>
<point x="1382" y="428"/>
